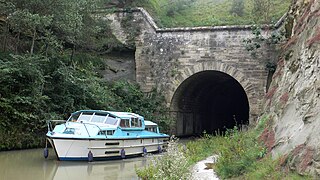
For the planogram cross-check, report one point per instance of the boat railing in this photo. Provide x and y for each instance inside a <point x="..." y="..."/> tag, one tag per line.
<point x="50" y="123"/>
<point x="84" y="123"/>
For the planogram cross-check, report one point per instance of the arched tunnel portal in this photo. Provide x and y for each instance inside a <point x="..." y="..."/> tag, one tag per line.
<point x="210" y="101"/>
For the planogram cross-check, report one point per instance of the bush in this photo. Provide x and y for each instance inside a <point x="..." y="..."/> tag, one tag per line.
<point x="269" y="168"/>
<point x="238" y="153"/>
<point x="22" y="101"/>
<point x="237" y="7"/>
<point x="173" y="165"/>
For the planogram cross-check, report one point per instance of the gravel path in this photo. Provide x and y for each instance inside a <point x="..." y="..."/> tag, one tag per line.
<point x="201" y="172"/>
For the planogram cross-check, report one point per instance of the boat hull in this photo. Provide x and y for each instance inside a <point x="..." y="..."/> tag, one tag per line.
<point x="104" y="149"/>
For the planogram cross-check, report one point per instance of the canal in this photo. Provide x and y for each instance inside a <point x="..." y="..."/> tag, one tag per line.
<point x="31" y="165"/>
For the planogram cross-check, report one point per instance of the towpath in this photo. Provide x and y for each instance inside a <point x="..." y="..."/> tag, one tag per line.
<point x="203" y="170"/>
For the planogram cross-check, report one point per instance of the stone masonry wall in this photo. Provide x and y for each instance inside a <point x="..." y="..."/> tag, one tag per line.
<point x="167" y="57"/>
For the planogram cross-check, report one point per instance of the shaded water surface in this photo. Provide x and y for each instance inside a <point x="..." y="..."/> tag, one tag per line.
<point x="31" y="165"/>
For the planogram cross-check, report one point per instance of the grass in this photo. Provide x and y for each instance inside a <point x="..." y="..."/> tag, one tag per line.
<point x="241" y="156"/>
<point x="187" y="13"/>
<point x="172" y="166"/>
<point x="269" y="168"/>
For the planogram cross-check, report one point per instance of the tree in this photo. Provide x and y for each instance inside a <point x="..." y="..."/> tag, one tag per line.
<point x="51" y="23"/>
<point x="237" y="7"/>
<point x="261" y="10"/>
<point x="24" y="22"/>
<point x="176" y="6"/>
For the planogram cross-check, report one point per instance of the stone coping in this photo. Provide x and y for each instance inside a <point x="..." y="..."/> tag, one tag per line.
<point x="151" y="21"/>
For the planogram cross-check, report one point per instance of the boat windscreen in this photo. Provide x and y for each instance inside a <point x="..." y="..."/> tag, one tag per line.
<point x="111" y="120"/>
<point x="85" y="117"/>
<point x="74" y="117"/>
<point x="98" y="118"/>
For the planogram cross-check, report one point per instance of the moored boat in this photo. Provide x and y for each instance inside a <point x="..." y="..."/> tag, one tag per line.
<point x="100" y="135"/>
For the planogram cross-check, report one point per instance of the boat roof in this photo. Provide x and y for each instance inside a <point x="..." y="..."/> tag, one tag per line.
<point x="149" y="123"/>
<point x="114" y="113"/>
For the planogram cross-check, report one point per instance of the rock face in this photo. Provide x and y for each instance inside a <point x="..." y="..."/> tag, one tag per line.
<point x="293" y="100"/>
<point x="119" y="66"/>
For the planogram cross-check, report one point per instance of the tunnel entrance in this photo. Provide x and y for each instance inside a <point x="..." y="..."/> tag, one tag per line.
<point x="210" y="101"/>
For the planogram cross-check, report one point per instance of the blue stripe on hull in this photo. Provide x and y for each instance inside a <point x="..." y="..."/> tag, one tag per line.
<point x="104" y="139"/>
<point x="96" y="158"/>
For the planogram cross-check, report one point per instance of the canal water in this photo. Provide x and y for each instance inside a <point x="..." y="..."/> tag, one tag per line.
<point x="31" y="165"/>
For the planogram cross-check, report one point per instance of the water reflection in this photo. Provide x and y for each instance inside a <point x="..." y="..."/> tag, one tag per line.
<point x="30" y="165"/>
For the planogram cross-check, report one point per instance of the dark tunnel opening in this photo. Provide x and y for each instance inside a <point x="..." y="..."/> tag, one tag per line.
<point x="209" y="101"/>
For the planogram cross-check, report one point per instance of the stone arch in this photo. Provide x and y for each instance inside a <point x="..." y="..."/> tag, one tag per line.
<point x="186" y="121"/>
<point x="216" y="66"/>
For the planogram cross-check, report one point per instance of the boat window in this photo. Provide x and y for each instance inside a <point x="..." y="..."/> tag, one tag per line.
<point x="124" y="123"/>
<point x="68" y="131"/>
<point x="110" y="132"/>
<point x="98" y="118"/>
<point x="152" y="129"/>
<point x="85" y="117"/>
<point x="102" y="133"/>
<point x="74" y="117"/>
<point x="106" y="132"/>
<point x="111" y="120"/>
<point x="136" y="122"/>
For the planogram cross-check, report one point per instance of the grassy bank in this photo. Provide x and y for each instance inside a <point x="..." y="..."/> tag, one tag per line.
<point x="188" y="13"/>
<point x="241" y="156"/>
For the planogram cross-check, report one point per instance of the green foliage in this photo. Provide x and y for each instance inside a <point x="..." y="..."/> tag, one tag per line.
<point x="131" y="28"/>
<point x="259" y="41"/>
<point x="252" y="44"/>
<point x="55" y="26"/>
<point x="36" y="88"/>
<point x="173" y="165"/>
<point x="22" y="101"/>
<point x="237" y="7"/>
<point x="260" y="7"/>
<point x="130" y="98"/>
<point x="168" y="13"/>
<point x="238" y="153"/>
<point x="201" y="148"/>
<point x="269" y="168"/>
<point x="48" y="70"/>
<point x="177" y="7"/>
<point x="262" y="10"/>
<point x="262" y="124"/>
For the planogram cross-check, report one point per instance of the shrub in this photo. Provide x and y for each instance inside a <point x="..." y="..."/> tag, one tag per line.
<point x="237" y="7"/>
<point x="269" y="168"/>
<point x="239" y="152"/>
<point x="173" y="165"/>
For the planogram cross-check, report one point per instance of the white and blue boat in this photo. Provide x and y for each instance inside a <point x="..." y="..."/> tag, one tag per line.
<point x="100" y="135"/>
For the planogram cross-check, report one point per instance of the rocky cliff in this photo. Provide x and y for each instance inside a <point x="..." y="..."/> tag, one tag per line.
<point x="293" y="99"/>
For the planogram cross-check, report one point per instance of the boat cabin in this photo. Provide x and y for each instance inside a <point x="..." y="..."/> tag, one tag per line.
<point x="125" y="120"/>
<point x="151" y="126"/>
